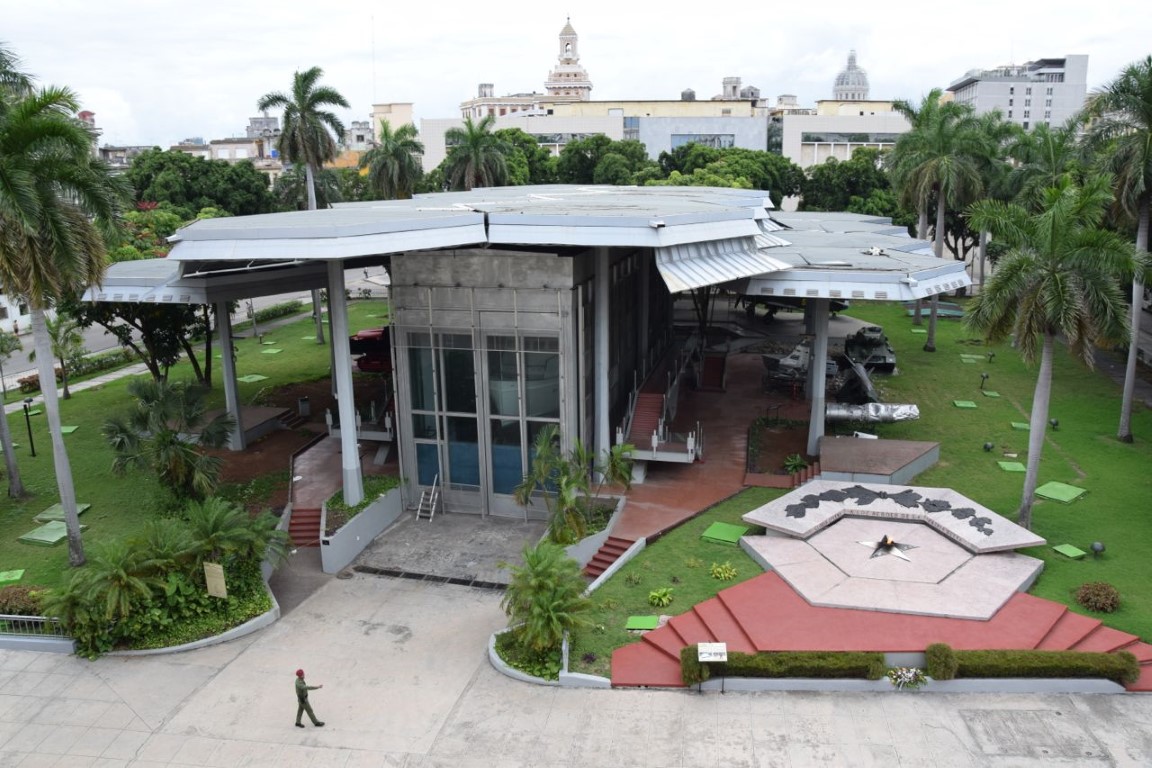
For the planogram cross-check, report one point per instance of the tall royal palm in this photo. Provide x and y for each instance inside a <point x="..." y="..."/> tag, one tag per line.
<point x="1121" y="131"/>
<point x="394" y="163"/>
<point x="306" y="136"/>
<point x="1058" y="280"/>
<point x="55" y="199"/>
<point x="476" y="156"/>
<point x="1041" y="157"/>
<point x="941" y="158"/>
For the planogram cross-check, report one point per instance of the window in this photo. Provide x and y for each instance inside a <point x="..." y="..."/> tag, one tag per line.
<point x="1027" y="112"/>
<point x="1009" y="114"/>
<point x="1011" y="90"/>
<point x="1049" y="90"/>
<point x="1028" y="91"/>
<point x="1047" y="102"/>
<point x="1010" y="102"/>
<point x="1025" y="125"/>
<point x="1027" y="102"/>
<point x="1047" y="114"/>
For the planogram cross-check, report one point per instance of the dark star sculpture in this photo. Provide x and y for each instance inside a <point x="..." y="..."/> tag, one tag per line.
<point x="888" y="546"/>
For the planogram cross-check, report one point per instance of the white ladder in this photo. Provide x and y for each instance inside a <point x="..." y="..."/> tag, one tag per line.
<point x="429" y="500"/>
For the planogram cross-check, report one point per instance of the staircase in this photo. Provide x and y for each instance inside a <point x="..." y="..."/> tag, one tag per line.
<point x="765" y="614"/>
<point x="646" y="419"/>
<point x="304" y="527"/>
<point x="608" y="553"/>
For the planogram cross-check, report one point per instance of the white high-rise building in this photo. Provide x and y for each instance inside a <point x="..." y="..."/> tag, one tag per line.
<point x="1047" y="91"/>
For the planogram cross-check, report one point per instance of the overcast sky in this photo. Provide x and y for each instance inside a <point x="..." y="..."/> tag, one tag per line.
<point x="155" y="71"/>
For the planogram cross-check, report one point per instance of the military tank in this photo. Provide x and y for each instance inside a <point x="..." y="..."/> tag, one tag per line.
<point x="869" y="347"/>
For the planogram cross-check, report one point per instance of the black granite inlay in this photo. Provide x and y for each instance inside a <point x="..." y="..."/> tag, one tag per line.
<point x="908" y="499"/>
<point x="935" y="505"/>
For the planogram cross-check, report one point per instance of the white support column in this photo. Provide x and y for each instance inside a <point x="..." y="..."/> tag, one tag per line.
<point x="236" y="440"/>
<point x="603" y="440"/>
<point x="817" y="364"/>
<point x="342" y="367"/>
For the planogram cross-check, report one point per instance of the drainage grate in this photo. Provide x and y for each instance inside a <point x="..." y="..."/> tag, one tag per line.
<point x="395" y="573"/>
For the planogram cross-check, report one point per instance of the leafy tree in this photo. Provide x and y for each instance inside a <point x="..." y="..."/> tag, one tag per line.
<point x="394" y="163"/>
<point x="533" y="163"/>
<point x="545" y="597"/>
<point x="55" y="201"/>
<point x="1041" y="157"/>
<point x="155" y="436"/>
<point x="831" y="185"/>
<point x="686" y="158"/>
<point x="1058" y="280"/>
<point x="1121" y="131"/>
<point x="67" y="345"/>
<point x="940" y="158"/>
<point x="9" y="345"/>
<point x="740" y="168"/>
<point x="290" y="190"/>
<point x="476" y="156"/>
<point x="189" y="183"/>
<point x="600" y="160"/>
<point x="117" y="577"/>
<point x="612" y="169"/>
<point x="306" y="138"/>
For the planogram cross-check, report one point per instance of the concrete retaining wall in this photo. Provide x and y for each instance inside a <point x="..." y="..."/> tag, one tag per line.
<point x="340" y="549"/>
<point x="584" y="550"/>
<point x="33" y="643"/>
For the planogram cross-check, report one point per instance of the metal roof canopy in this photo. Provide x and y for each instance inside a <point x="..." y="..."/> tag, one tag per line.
<point x="850" y="256"/>
<point x="164" y="281"/>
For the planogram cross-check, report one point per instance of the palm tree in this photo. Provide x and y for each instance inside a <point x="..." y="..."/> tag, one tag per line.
<point x="67" y="346"/>
<point x="306" y="136"/>
<point x="940" y="157"/>
<point x="394" y="163"/>
<point x="475" y="155"/>
<point x="56" y="204"/>
<point x="545" y="597"/>
<point x="1041" y="158"/>
<point x="1058" y="279"/>
<point x="291" y="188"/>
<point x="9" y="345"/>
<point x="1121" y="128"/>
<point x="151" y="437"/>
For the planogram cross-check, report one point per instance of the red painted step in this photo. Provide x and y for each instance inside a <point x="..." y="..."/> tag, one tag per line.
<point x="304" y="527"/>
<point x="641" y="664"/>
<point x="665" y="640"/>
<point x="691" y="628"/>
<point x="724" y="627"/>
<point x="1105" y="640"/>
<point x="1144" y="684"/>
<point x="1142" y="652"/>
<point x="1068" y="630"/>
<point x="608" y="553"/>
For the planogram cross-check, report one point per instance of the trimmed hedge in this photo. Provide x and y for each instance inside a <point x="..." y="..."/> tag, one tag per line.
<point x="83" y="366"/>
<point x="1121" y="667"/>
<point x="282" y="309"/>
<point x="817" y="664"/>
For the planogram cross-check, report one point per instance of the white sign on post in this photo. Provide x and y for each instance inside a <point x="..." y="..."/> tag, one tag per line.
<point x="712" y="651"/>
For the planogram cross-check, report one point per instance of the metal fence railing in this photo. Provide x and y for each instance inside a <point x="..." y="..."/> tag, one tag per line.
<point x="31" y="626"/>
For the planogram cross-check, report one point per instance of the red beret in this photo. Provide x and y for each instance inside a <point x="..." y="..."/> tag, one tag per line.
<point x="299" y="673"/>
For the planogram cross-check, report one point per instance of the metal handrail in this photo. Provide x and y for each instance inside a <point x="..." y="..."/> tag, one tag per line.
<point x="31" y="626"/>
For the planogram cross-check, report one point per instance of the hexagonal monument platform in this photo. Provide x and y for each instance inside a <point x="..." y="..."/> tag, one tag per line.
<point x="903" y="549"/>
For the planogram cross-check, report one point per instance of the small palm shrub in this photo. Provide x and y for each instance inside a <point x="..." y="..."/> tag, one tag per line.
<point x="545" y="596"/>
<point x="1098" y="596"/>
<point x="794" y="463"/>
<point x="660" y="598"/>
<point x="723" y="571"/>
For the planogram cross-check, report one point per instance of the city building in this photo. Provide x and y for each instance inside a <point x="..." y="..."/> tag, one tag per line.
<point x="396" y="113"/>
<point x="568" y="81"/>
<point x="1045" y="91"/>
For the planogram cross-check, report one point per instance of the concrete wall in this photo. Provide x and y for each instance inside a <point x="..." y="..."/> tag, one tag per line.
<point x="656" y="132"/>
<point x="340" y="549"/>
<point x="806" y="154"/>
<point x="585" y="549"/>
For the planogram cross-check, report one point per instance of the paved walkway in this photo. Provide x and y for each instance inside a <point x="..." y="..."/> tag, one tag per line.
<point x="406" y="683"/>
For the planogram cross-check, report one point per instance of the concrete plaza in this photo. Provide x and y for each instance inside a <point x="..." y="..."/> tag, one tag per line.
<point x="407" y="683"/>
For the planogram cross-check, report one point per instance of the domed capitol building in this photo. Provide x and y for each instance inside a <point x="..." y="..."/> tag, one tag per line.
<point x="851" y="83"/>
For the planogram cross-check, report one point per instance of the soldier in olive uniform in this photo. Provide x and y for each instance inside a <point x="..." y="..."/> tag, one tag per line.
<point x="303" y="706"/>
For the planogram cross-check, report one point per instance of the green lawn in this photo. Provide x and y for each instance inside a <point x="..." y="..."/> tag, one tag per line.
<point x="119" y="504"/>
<point x="1083" y="451"/>
<point x="680" y="560"/>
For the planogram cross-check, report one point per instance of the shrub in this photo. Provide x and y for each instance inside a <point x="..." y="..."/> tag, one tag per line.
<point x="282" y="309"/>
<point x="545" y="597"/>
<point x="660" y="598"/>
<point x="633" y="579"/>
<point x="795" y="463"/>
<point x="1098" y="596"/>
<point x="723" y="571"/>
<point x="817" y="664"/>
<point x="543" y="664"/>
<point x="1119" y="667"/>
<point x="16" y="600"/>
<point x="940" y="661"/>
<point x="906" y="677"/>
